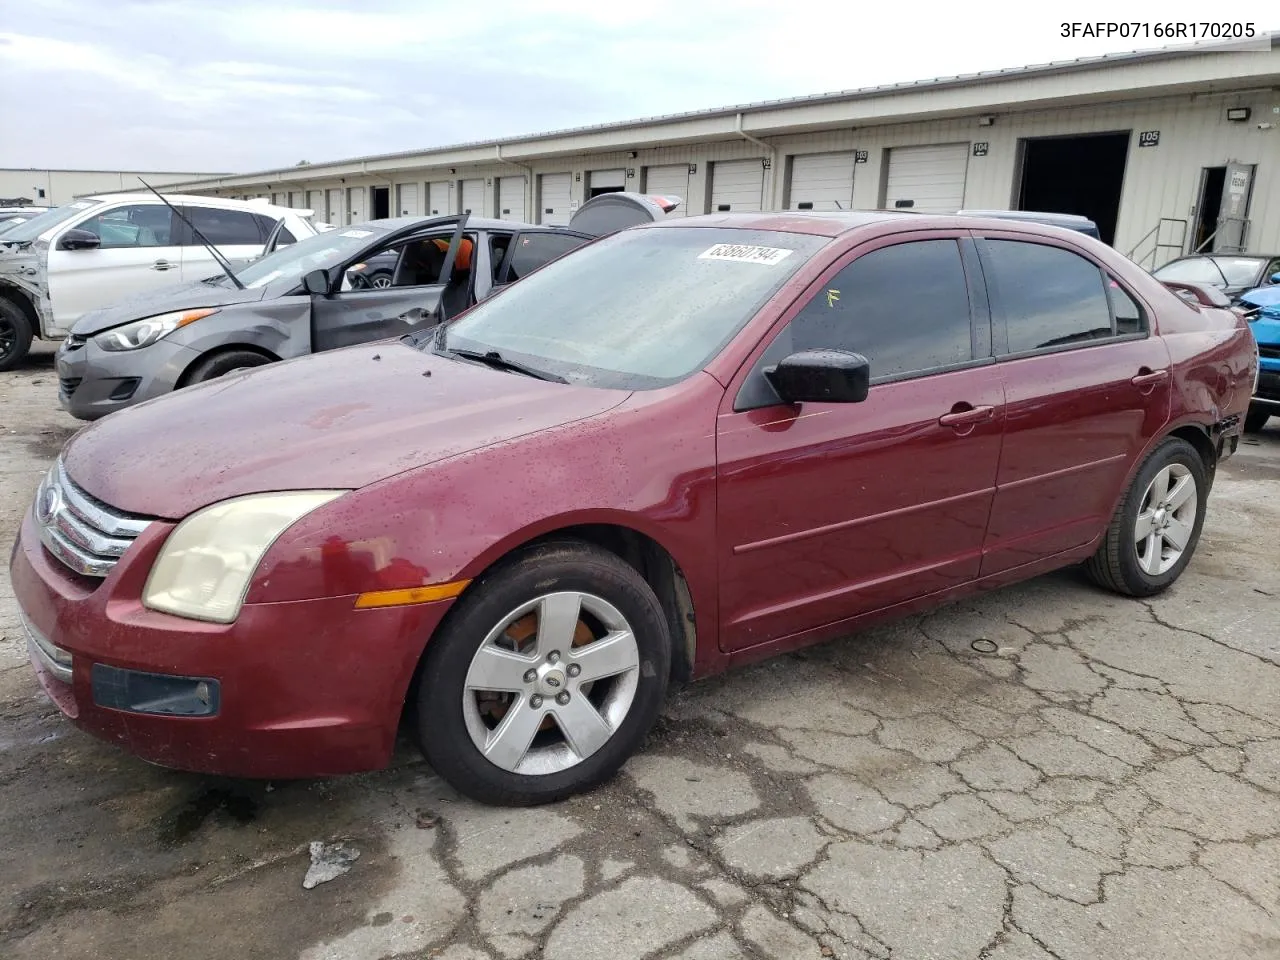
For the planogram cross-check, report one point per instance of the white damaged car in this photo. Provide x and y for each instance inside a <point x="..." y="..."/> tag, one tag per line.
<point x="100" y="249"/>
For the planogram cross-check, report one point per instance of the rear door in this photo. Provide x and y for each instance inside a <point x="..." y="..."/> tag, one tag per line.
<point x="237" y="234"/>
<point x="1086" y="386"/>
<point x="139" y="251"/>
<point x="412" y="302"/>
<point x="831" y="510"/>
<point x="533" y="249"/>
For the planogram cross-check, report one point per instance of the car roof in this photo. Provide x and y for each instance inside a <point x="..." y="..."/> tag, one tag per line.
<point x="834" y="223"/>
<point x="1214" y="256"/>
<point x="256" y="206"/>
<point x="476" y="223"/>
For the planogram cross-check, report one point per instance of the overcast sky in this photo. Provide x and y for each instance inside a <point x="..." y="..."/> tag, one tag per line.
<point x="230" y="85"/>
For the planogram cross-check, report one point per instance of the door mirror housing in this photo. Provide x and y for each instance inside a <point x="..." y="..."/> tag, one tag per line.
<point x="316" y="283"/>
<point x="79" y="240"/>
<point x="1275" y="278"/>
<point x="822" y="376"/>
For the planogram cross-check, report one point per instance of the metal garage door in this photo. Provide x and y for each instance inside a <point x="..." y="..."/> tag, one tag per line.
<point x="555" y="194"/>
<point x="737" y="185"/>
<point x="822" y="181"/>
<point x="511" y="198"/>
<point x="671" y="180"/>
<point x="315" y="203"/>
<point x="295" y="199"/>
<point x="438" y="197"/>
<point x="335" y="213"/>
<point x="605" y="181"/>
<point x="473" y="197"/>
<point x="406" y="201"/>
<point x="930" y="179"/>
<point x="277" y="199"/>
<point x="358" y="204"/>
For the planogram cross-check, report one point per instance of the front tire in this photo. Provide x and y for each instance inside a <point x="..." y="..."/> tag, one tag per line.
<point x="15" y="334"/>
<point x="545" y="677"/>
<point x="1156" y="527"/>
<point x="228" y="361"/>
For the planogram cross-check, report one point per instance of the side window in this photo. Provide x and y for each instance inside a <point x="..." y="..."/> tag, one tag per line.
<point x="1272" y="269"/>
<point x="136" y="225"/>
<point x="905" y="308"/>
<point x="535" y="249"/>
<point x="1049" y="297"/>
<point x="1129" y="317"/>
<point x="224" y="226"/>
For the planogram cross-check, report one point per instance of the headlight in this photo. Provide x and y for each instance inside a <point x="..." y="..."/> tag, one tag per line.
<point x="205" y="566"/>
<point x="143" y="333"/>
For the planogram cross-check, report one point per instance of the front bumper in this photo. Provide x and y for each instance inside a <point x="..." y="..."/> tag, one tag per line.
<point x="93" y="382"/>
<point x="303" y="689"/>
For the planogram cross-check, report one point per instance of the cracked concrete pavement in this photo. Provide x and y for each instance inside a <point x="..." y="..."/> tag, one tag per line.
<point x="1105" y="784"/>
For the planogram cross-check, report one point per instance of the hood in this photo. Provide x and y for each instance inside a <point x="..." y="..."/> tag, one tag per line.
<point x="336" y="420"/>
<point x="188" y="296"/>
<point x="1263" y="296"/>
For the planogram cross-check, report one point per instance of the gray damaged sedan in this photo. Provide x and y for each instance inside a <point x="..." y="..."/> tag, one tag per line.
<point x="310" y="297"/>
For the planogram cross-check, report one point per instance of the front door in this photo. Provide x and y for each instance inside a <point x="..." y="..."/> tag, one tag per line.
<point x="1085" y="386"/>
<point x="828" y="510"/>
<point x="424" y="290"/>
<point x="139" y="251"/>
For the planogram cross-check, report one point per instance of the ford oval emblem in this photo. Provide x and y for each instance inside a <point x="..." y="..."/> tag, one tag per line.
<point x="48" y="504"/>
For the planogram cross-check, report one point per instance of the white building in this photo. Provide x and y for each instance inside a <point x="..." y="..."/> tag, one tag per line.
<point x="1166" y="149"/>
<point x="49" y="188"/>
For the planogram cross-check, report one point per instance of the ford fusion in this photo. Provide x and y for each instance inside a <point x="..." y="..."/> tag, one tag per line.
<point x="688" y="445"/>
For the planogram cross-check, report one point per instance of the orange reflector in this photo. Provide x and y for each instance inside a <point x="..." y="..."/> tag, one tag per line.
<point x="399" y="598"/>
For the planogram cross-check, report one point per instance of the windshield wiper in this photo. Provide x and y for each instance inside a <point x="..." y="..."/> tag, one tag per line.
<point x="493" y="358"/>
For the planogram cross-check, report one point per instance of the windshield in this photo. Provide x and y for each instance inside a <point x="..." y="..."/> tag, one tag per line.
<point x="321" y="252"/>
<point x="1239" y="271"/>
<point x="637" y="310"/>
<point x="1193" y="270"/>
<point x="24" y="232"/>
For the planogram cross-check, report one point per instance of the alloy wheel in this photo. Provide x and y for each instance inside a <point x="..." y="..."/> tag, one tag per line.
<point x="1166" y="519"/>
<point x="551" y="683"/>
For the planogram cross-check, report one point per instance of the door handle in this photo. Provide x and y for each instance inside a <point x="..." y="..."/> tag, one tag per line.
<point x="1147" y="379"/>
<point x="968" y="417"/>
<point x="162" y="265"/>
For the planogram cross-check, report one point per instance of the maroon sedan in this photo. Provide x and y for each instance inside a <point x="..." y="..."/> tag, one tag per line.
<point x="684" y="447"/>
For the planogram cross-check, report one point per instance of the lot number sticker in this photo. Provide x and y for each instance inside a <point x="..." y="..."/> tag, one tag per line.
<point x="356" y="234"/>
<point x="743" y="253"/>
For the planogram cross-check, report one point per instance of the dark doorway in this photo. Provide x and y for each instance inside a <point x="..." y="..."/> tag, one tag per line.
<point x="1208" y="207"/>
<point x="381" y="203"/>
<point x="596" y="191"/>
<point x="1081" y="175"/>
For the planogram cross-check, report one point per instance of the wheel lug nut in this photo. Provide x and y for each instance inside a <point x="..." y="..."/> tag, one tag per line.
<point x="535" y="701"/>
<point x="574" y="669"/>
<point x="562" y="698"/>
<point x="530" y="676"/>
<point x="553" y="657"/>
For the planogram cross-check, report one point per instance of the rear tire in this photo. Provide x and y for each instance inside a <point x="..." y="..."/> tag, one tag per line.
<point x="1156" y="527"/>
<point x="1256" y="419"/>
<point x="15" y="334"/>
<point x="574" y="714"/>
<point x="220" y="364"/>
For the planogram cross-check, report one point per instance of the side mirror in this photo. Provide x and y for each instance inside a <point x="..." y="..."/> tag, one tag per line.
<point x="822" y="376"/>
<point x="79" y="240"/>
<point x="316" y="283"/>
<point x="1275" y="278"/>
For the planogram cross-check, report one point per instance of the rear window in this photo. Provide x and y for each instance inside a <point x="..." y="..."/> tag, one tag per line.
<point x="1194" y="270"/>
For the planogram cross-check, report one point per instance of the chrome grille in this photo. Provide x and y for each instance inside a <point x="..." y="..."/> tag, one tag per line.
<point x="87" y="536"/>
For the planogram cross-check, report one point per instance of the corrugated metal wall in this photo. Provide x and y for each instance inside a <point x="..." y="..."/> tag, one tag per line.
<point x="1160" y="181"/>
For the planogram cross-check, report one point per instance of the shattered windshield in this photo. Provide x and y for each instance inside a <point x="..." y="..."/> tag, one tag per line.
<point x="321" y="252"/>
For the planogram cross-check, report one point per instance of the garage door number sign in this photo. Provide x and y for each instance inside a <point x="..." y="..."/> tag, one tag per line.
<point x="1149" y="138"/>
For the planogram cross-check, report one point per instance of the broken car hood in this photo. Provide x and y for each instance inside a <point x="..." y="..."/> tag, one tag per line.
<point x="336" y="420"/>
<point x="188" y="296"/>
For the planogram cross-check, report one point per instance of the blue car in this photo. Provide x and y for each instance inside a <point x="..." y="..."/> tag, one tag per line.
<point x="1263" y="306"/>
